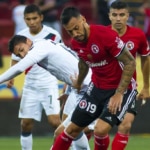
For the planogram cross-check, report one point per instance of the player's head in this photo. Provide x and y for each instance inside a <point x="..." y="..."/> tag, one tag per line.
<point x="33" y="18"/>
<point x="119" y="15"/>
<point x="19" y="45"/>
<point x="22" y="1"/>
<point x="74" y="23"/>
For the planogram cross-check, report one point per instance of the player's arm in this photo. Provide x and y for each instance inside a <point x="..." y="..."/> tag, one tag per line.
<point x="10" y="83"/>
<point x="129" y="67"/>
<point x="83" y="70"/>
<point x="145" y="68"/>
<point x="17" y="69"/>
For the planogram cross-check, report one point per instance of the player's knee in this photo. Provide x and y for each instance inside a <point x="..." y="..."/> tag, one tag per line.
<point x="26" y="125"/>
<point x="125" y="127"/>
<point x="100" y="131"/>
<point x="54" y="120"/>
<point x="102" y="128"/>
<point x="58" y="131"/>
<point x="74" y="130"/>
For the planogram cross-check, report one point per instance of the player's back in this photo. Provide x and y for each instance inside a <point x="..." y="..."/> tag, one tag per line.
<point x="57" y="60"/>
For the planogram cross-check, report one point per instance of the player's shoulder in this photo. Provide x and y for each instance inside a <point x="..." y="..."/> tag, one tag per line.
<point x="39" y="41"/>
<point x="24" y="31"/>
<point x="102" y="30"/>
<point x="50" y="30"/>
<point x="135" y="30"/>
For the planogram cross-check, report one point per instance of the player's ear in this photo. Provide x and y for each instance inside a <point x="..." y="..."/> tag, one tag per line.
<point x="28" y="41"/>
<point x="83" y="18"/>
<point x="42" y="17"/>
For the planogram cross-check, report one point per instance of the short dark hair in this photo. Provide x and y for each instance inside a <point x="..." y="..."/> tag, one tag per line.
<point x="68" y="13"/>
<point x="32" y="8"/>
<point x="16" y="39"/>
<point x="119" y="5"/>
<point x="22" y="1"/>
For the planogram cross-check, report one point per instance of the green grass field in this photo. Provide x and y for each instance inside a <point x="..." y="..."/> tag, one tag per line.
<point x="136" y="142"/>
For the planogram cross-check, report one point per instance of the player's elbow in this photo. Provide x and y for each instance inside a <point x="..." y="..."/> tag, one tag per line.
<point x="19" y="71"/>
<point x="133" y="63"/>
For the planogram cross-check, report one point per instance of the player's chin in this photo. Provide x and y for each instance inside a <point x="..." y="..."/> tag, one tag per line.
<point x="118" y="25"/>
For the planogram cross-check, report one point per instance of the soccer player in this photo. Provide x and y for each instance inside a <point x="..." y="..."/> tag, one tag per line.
<point x="46" y="53"/>
<point x="40" y="89"/>
<point x="137" y="44"/>
<point x="112" y="89"/>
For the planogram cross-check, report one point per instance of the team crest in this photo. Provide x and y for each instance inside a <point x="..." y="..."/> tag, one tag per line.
<point x="95" y="48"/>
<point x="82" y="104"/>
<point x="130" y="45"/>
<point x="119" y="42"/>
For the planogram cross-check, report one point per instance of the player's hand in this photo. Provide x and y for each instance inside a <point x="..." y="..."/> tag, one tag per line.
<point x="74" y="80"/>
<point x="115" y="102"/>
<point x="144" y="95"/>
<point x="63" y="97"/>
<point x="10" y="83"/>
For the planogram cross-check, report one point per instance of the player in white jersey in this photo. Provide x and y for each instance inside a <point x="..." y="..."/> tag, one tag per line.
<point x="47" y="54"/>
<point x="40" y="89"/>
<point x="17" y="16"/>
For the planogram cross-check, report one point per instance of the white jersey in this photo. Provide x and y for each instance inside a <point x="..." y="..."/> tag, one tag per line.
<point x="36" y="76"/>
<point x="51" y="56"/>
<point x="18" y="18"/>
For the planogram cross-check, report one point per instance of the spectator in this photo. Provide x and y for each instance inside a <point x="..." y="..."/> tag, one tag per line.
<point x="100" y="11"/>
<point x="18" y="17"/>
<point x="50" y="12"/>
<point x="145" y="10"/>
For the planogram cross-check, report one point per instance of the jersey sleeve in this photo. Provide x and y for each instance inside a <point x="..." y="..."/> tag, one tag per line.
<point x="37" y="53"/>
<point x="17" y="69"/>
<point x="144" y="48"/>
<point x="14" y="57"/>
<point x="114" y="44"/>
<point x="58" y="38"/>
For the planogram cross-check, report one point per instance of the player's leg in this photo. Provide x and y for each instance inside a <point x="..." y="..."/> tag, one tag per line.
<point x="101" y="137"/>
<point x="87" y="110"/>
<point x="89" y="130"/>
<point x="122" y="136"/>
<point x="64" y="140"/>
<point x="52" y="106"/>
<point x="30" y="110"/>
<point x="26" y="134"/>
<point x="81" y="141"/>
<point x="107" y="120"/>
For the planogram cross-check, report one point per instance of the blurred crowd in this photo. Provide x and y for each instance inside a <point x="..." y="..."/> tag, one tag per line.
<point x="12" y="21"/>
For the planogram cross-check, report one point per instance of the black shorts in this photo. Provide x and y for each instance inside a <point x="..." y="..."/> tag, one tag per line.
<point x="94" y="103"/>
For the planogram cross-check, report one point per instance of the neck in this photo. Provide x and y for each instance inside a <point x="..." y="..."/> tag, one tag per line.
<point x="121" y="31"/>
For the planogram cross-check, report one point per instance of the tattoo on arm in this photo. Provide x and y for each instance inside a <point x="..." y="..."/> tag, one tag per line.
<point x="83" y="70"/>
<point x="128" y="69"/>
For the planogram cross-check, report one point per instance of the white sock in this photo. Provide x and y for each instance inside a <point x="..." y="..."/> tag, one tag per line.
<point x="80" y="144"/>
<point x="26" y="142"/>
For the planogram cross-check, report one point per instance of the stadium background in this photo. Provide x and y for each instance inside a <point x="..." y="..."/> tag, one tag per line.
<point x="10" y="99"/>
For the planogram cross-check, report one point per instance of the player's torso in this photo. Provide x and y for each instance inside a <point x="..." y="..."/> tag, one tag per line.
<point x="135" y="41"/>
<point x="36" y="76"/>
<point x="60" y="63"/>
<point x="98" y="54"/>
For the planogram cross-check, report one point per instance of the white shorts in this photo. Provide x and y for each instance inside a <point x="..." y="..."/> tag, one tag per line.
<point x="71" y="102"/>
<point x="34" y="101"/>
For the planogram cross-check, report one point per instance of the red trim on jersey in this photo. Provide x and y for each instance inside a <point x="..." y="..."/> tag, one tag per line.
<point x="27" y="70"/>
